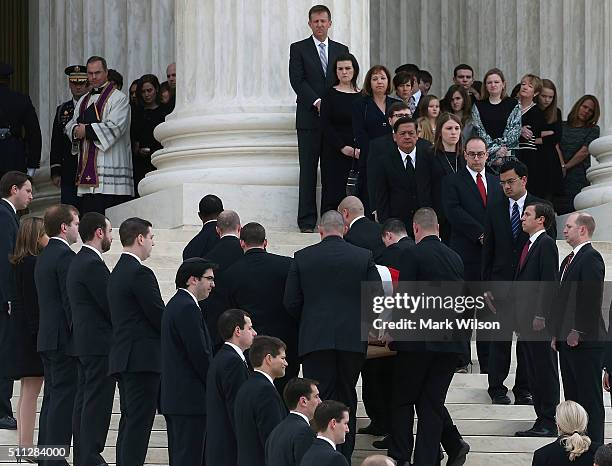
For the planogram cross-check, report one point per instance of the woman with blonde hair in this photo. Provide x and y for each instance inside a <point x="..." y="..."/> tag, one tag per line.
<point x="26" y="364"/>
<point x="429" y="110"/>
<point x="573" y="446"/>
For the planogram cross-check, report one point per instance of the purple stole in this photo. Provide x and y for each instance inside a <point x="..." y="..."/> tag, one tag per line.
<point x="87" y="171"/>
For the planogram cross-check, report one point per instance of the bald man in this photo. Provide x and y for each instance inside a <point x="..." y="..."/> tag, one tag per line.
<point x="378" y="460"/>
<point x="362" y="231"/>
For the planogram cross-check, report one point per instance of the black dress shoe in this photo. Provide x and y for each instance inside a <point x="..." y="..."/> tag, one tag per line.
<point x="307" y="230"/>
<point x="8" y="423"/>
<point x="381" y="444"/>
<point x="536" y="432"/>
<point x="524" y="400"/>
<point x="457" y="458"/>
<point x="501" y="400"/>
<point x="372" y="429"/>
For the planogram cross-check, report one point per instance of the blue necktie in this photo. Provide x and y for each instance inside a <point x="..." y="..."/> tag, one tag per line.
<point x="323" y="57"/>
<point x="515" y="221"/>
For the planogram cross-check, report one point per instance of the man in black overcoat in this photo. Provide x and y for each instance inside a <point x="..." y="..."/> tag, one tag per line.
<point x="209" y="209"/>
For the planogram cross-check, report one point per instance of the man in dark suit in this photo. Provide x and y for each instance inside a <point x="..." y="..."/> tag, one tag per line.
<point x="361" y="231"/>
<point x="538" y="263"/>
<point x="331" y="420"/>
<point x="226" y="374"/>
<point x="62" y="163"/>
<point x="404" y="178"/>
<point x="55" y="340"/>
<point x="225" y="253"/>
<point x="311" y="73"/>
<point x="258" y="408"/>
<point x="501" y="250"/>
<point x="465" y="196"/>
<point x="289" y="440"/>
<point x="431" y="362"/>
<point x="396" y="241"/>
<point x="186" y="350"/>
<point x="578" y="325"/>
<point x="16" y="192"/>
<point x="263" y="298"/>
<point x="324" y="293"/>
<point x="209" y="209"/>
<point x="86" y="284"/>
<point x="136" y="309"/>
<point x="20" y="138"/>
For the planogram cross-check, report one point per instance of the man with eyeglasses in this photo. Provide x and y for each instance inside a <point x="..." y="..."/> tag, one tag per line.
<point x="465" y="196"/>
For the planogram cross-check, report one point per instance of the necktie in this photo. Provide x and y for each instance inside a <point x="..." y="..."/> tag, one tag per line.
<point x="524" y="254"/>
<point x="409" y="166"/>
<point x="568" y="261"/>
<point x="412" y="104"/>
<point x="481" y="188"/>
<point x="323" y="57"/>
<point x="515" y="220"/>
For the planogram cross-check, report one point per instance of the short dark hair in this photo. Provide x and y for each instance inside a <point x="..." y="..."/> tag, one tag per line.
<point x="193" y="267"/>
<point x="95" y="58"/>
<point x="264" y="345"/>
<point x="394" y="225"/>
<point x="404" y="77"/>
<point x="115" y="76"/>
<point x="89" y="223"/>
<point x="519" y="167"/>
<point x="395" y="106"/>
<point x="253" y="234"/>
<point x="10" y="179"/>
<point x="229" y="320"/>
<point x="328" y="410"/>
<point x="475" y="138"/>
<point x="131" y="228"/>
<point x="543" y="209"/>
<point x="58" y="215"/>
<point x="410" y="67"/>
<point x="403" y="121"/>
<point x="603" y="455"/>
<point x="295" y="389"/>
<point x="319" y="9"/>
<point x="424" y="76"/>
<point x="462" y="66"/>
<point x="210" y="206"/>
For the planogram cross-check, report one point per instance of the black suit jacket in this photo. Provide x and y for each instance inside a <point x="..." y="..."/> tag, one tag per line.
<point x="257" y="411"/>
<point x="554" y="454"/>
<point x="186" y="350"/>
<point x="225" y="253"/>
<point x="55" y="322"/>
<point x="321" y="453"/>
<point x="87" y="283"/>
<point x="289" y="441"/>
<point x="136" y="308"/>
<point x="580" y="296"/>
<point x="256" y="283"/>
<point x="63" y="163"/>
<point x="465" y="213"/>
<point x="8" y="234"/>
<point x="324" y="293"/>
<point x="203" y="242"/>
<point x="226" y="375"/>
<point x="391" y="256"/>
<point x="307" y="78"/>
<point x="365" y="233"/>
<point x="400" y="191"/>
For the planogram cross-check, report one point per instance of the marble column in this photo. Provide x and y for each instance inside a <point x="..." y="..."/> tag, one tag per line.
<point x="232" y="132"/>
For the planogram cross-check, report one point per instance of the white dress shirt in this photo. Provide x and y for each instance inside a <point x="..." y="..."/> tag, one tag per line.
<point x="267" y="375"/>
<point x="237" y="349"/>
<point x="483" y="176"/>
<point x="95" y="250"/>
<point x="133" y="255"/>
<point x="11" y="204"/>
<point x="405" y="156"/>
<point x="60" y="239"/>
<point x="520" y="202"/>
<point x="327" y="440"/>
<point x="535" y="236"/>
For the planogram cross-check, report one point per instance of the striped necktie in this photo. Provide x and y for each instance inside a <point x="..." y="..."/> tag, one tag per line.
<point x="515" y="221"/>
<point x="323" y="57"/>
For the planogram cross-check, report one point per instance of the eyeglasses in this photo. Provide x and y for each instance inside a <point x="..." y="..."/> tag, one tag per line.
<point x="401" y="115"/>
<point x="476" y="155"/>
<point x="507" y="182"/>
<point x="210" y="278"/>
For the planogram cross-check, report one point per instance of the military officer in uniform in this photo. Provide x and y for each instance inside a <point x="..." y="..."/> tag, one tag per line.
<point x="20" y="139"/>
<point x="63" y="163"/>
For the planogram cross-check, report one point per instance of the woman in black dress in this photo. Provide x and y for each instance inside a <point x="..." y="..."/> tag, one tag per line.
<point x="26" y="363"/>
<point x="339" y="148"/>
<point x="149" y="113"/>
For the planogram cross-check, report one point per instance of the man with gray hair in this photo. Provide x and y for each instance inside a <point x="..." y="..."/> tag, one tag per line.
<point x="323" y="293"/>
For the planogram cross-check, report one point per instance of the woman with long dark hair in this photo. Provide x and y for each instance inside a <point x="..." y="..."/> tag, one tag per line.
<point x="458" y="102"/>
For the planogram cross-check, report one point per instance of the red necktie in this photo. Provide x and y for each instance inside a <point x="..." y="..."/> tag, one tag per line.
<point x="524" y="253"/>
<point x="481" y="188"/>
<point x="569" y="258"/>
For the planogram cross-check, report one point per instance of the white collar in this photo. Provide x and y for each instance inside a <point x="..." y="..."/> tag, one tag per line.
<point x="482" y="174"/>
<point x="11" y="204"/>
<point x="192" y="295"/>
<point x="94" y="249"/>
<point x="60" y="239"/>
<point x="579" y="247"/>
<point x="230" y="234"/>
<point x="237" y="349"/>
<point x="417" y="95"/>
<point x="535" y="236"/>
<point x="133" y="255"/>
<point x="267" y="376"/>
<point x="208" y="221"/>
<point x="404" y="155"/>
<point x="355" y="219"/>
<point x="303" y="416"/>
<point x="317" y="42"/>
<point x="322" y="437"/>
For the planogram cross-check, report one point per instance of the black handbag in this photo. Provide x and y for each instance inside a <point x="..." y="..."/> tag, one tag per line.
<point x="351" y="181"/>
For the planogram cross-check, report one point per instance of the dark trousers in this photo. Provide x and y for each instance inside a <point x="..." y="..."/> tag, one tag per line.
<point x="55" y="423"/>
<point x="337" y="373"/>
<point x="376" y="390"/>
<point x="6" y="385"/>
<point x="186" y="439"/>
<point x="92" y="409"/>
<point x="543" y="372"/>
<point x="100" y="202"/>
<point x="500" y="354"/>
<point x="335" y="167"/>
<point x="68" y="190"/>
<point x="581" y="375"/>
<point x="138" y="392"/>
<point x="426" y="387"/>
<point x="309" y="150"/>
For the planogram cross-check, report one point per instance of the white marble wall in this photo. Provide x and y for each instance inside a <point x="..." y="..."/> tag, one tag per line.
<point x="568" y="41"/>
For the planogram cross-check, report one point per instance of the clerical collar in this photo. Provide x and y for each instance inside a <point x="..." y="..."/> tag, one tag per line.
<point x="98" y="90"/>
